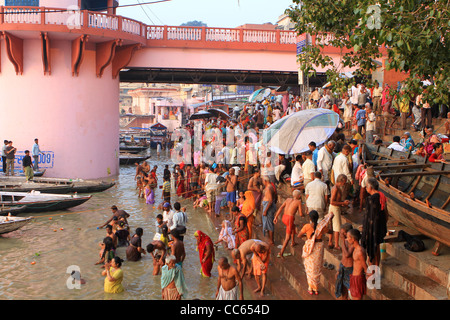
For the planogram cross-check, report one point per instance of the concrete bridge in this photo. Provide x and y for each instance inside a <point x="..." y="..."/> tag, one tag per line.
<point x="60" y="72"/>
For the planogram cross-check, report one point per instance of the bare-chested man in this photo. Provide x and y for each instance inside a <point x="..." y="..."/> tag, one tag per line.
<point x="269" y="207"/>
<point x="260" y="264"/>
<point x="358" y="282"/>
<point x="227" y="284"/>
<point x="346" y="265"/>
<point x="241" y="257"/>
<point x="254" y="185"/>
<point x="177" y="248"/>
<point x="290" y="207"/>
<point x="335" y="206"/>
<point x="231" y="187"/>
<point x="139" y="177"/>
<point x="158" y="258"/>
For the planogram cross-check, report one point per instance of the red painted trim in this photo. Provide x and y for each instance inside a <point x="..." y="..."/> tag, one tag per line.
<point x="123" y="57"/>
<point x="14" y="50"/>
<point x="104" y="55"/>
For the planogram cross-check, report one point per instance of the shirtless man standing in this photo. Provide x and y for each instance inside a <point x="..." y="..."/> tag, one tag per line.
<point x="226" y="284"/>
<point x="158" y="258"/>
<point x="254" y="185"/>
<point x="177" y="248"/>
<point x="260" y="263"/>
<point x="290" y="207"/>
<point x="358" y="284"/>
<point x="231" y="185"/>
<point x="139" y="177"/>
<point x="346" y="265"/>
<point x="335" y="206"/>
<point x="269" y="208"/>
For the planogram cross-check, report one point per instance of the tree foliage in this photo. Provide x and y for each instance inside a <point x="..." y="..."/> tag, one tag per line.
<point x="414" y="34"/>
<point x="194" y="23"/>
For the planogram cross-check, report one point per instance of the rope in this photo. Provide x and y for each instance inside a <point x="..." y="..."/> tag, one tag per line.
<point x="194" y="190"/>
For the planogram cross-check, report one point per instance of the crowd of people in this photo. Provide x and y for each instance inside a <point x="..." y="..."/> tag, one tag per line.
<point x="325" y="181"/>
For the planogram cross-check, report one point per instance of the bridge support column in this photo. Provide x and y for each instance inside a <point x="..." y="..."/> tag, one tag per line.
<point x="76" y="118"/>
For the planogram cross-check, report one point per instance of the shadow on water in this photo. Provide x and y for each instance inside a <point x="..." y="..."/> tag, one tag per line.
<point x="58" y="240"/>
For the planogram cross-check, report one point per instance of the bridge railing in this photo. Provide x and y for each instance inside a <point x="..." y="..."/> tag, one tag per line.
<point x="237" y="35"/>
<point x="95" y="22"/>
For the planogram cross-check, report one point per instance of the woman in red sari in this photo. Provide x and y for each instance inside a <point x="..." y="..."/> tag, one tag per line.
<point x="180" y="184"/>
<point x="205" y="249"/>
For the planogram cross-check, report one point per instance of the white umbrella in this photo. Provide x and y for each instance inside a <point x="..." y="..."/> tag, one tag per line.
<point x="293" y="133"/>
<point x="259" y="94"/>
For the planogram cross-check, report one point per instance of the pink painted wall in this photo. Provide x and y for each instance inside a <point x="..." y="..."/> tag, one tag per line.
<point x="219" y="59"/>
<point x="214" y="59"/>
<point x="75" y="117"/>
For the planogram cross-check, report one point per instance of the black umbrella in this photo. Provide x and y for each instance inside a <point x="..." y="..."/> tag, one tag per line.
<point x="201" y="115"/>
<point x="219" y="113"/>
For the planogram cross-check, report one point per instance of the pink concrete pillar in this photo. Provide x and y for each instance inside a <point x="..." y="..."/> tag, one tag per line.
<point x="75" y="118"/>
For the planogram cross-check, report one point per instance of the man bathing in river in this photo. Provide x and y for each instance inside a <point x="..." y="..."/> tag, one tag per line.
<point x="241" y="255"/>
<point x="228" y="282"/>
<point x="290" y="207"/>
<point x="117" y="213"/>
<point x="158" y="258"/>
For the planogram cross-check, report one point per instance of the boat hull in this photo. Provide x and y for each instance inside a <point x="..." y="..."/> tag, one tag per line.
<point x="429" y="222"/>
<point x="12" y="225"/>
<point x="13" y="210"/>
<point x="427" y="212"/>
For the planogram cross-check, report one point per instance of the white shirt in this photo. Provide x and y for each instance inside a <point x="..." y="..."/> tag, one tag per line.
<point x="397" y="146"/>
<point x="341" y="166"/>
<point x="210" y="181"/>
<point x="179" y="219"/>
<point x="308" y="168"/>
<point x="316" y="191"/>
<point x="377" y="92"/>
<point x="324" y="162"/>
<point x="297" y="173"/>
<point x="168" y="217"/>
<point x="354" y="94"/>
<point x="370" y="124"/>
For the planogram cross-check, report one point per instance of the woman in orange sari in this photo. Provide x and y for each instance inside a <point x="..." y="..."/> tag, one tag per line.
<point x="205" y="249"/>
<point x="248" y="208"/>
<point x="313" y="249"/>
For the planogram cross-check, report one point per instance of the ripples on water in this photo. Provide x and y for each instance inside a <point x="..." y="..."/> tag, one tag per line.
<point x="78" y="244"/>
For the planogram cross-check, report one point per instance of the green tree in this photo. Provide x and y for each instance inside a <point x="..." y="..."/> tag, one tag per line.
<point x="194" y="23"/>
<point x="414" y="33"/>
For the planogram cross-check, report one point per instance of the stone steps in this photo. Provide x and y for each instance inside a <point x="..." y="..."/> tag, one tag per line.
<point x="413" y="272"/>
<point x="277" y="288"/>
<point x="405" y="275"/>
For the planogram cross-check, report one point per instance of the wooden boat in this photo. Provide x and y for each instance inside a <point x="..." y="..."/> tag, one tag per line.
<point x="19" y="186"/>
<point x="9" y="224"/>
<point x="5" y="210"/>
<point x="77" y="185"/>
<point x="54" y="185"/>
<point x="36" y="201"/>
<point x="133" y="149"/>
<point x="417" y="191"/>
<point x="126" y="159"/>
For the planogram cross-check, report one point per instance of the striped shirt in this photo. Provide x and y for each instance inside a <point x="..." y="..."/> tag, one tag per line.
<point x="166" y="186"/>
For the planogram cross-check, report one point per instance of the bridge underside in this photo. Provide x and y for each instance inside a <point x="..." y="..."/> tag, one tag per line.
<point x="207" y="76"/>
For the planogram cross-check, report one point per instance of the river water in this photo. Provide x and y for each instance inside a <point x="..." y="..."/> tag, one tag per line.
<point x="53" y="250"/>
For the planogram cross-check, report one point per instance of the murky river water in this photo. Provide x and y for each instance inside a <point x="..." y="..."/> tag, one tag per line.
<point x="53" y="250"/>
